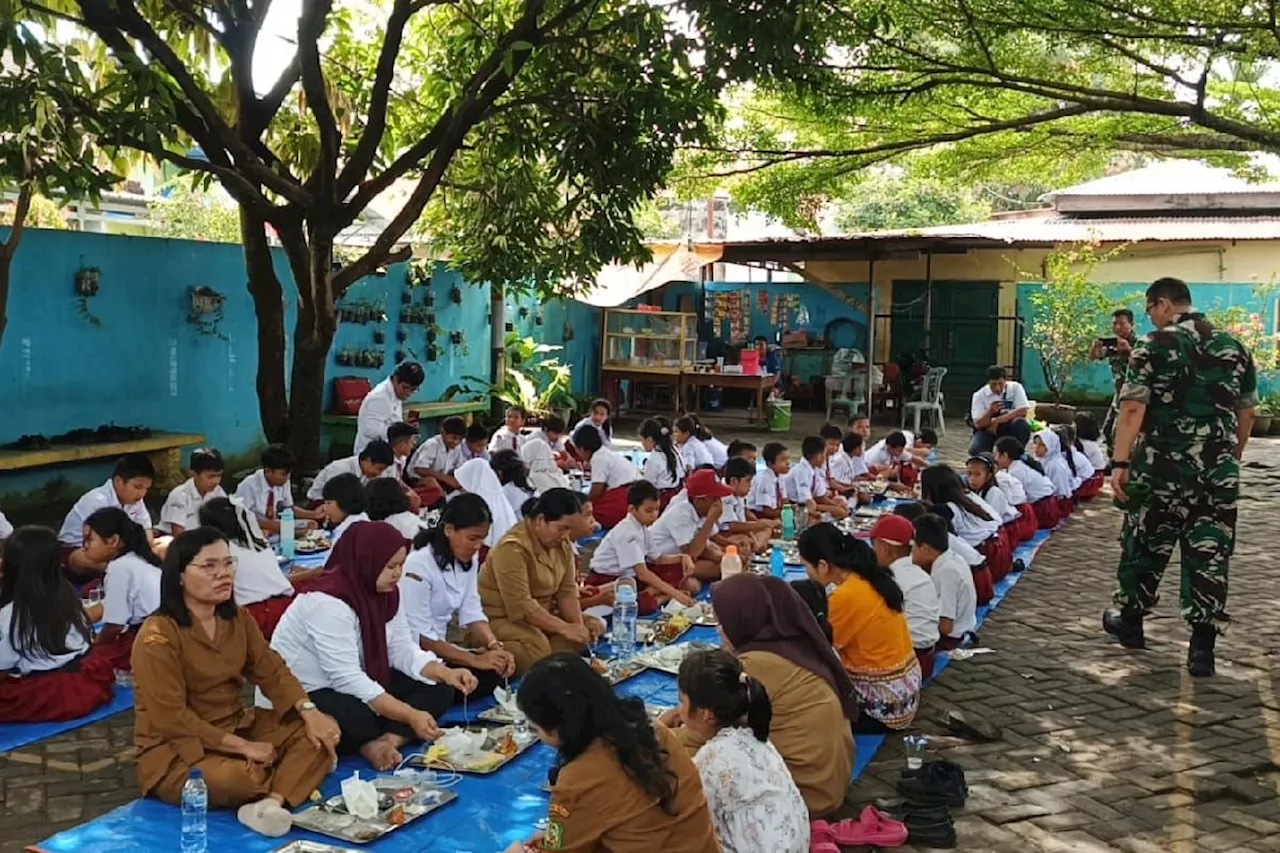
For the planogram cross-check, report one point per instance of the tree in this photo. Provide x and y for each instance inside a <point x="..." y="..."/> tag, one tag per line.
<point x="887" y="201"/>
<point x="188" y="214"/>
<point x="525" y="132"/>
<point x="41" y="213"/>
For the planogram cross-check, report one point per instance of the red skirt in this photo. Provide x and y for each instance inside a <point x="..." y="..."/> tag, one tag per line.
<point x="53" y="697"/>
<point x="611" y="507"/>
<point x="1066" y="506"/>
<point x="648" y="601"/>
<point x="430" y="496"/>
<point x="1090" y="488"/>
<point x="267" y="613"/>
<point x="665" y="496"/>
<point x="927" y="658"/>
<point x="1025" y="527"/>
<point x="115" y="652"/>
<point x="999" y="555"/>
<point x="1048" y="513"/>
<point x="983" y="585"/>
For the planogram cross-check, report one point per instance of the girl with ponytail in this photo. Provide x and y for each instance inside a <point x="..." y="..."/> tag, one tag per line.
<point x="755" y="804"/>
<point x="132" y="580"/>
<point x="664" y="468"/>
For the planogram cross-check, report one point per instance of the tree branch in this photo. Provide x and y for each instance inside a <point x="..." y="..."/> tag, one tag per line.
<point x="21" y="208"/>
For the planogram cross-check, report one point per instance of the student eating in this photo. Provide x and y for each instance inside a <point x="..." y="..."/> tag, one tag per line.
<point x="611" y="474"/>
<point x="132" y="582"/>
<point x="181" y="508"/>
<point x="131" y="479"/>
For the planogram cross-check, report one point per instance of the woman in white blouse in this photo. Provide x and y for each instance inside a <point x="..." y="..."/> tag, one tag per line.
<point x="439" y="584"/>
<point x="350" y="646"/>
<point x="754" y="802"/>
<point x="132" y="581"/>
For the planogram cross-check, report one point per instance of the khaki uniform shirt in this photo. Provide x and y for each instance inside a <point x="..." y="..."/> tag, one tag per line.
<point x="521" y="575"/>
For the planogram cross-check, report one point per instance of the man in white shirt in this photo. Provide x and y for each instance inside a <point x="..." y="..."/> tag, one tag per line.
<point x="998" y="408"/>
<point x="952" y="578"/>
<point x="892" y="537"/>
<point x="766" y="498"/>
<point x="384" y="405"/>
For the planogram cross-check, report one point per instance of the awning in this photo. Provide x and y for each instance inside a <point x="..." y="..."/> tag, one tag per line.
<point x="618" y="283"/>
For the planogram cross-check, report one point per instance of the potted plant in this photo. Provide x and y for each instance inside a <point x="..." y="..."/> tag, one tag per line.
<point x="1268" y="413"/>
<point x="87" y="281"/>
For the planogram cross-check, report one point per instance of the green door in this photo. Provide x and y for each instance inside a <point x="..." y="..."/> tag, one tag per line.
<point x="963" y="333"/>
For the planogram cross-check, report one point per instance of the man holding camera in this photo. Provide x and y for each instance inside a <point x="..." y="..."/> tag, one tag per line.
<point x="1116" y="350"/>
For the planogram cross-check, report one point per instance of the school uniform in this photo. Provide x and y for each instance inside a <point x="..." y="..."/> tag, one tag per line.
<point x="187" y="689"/>
<point x="805" y="483"/>
<point x="1040" y="494"/>
<point x="407" y="522"/>
<point x="44" y="688"/>
<point x="983" y="585"/>
<point x="434" y="455"/>
<point x="516" y="497"/>
<point x="606" y="437"/>
<point x="1090" y="477"/>
<point x="319" y="639"/>
<point x="182" y="506"/>
<point x="840" y="468"/>
<point x="957" y="597"/>
<point x="675" y="529"/>
<point x="261" y="587"/>
<point x="1094" y="454"/>
<point x="718" y="451"/>
<point x="505" y="439"/>
<point x="695" y="454"/>
<point x="734" y="512"/>
<point x="920" y="605"/>
<point x="1055" y="468"/>
<point x="131" y="593"/>
<point x="1024" y="527"/>
<point x="72" y="533"/>
<point x="766" y="491"/>
<point x="558" y="447"/>
<point x="879" y="457"/>
<point x="626" y="546"/>
<point x="616" y="473"/>
<point x="658" y="471"/>
<point x="343" y="527"/>
<point x="261" y="498"/>
<point x="349" y="465"/>
<point x="466" y="454"/>
<point x="378" y="410"/>
<point x="985" y="536"/>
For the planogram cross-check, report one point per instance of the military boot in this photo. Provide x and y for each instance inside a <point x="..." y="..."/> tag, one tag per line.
<point x="1126" y="626"/>
<point x="1200" y="653"/>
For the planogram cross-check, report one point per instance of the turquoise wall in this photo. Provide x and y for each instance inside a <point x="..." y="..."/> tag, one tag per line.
<point x="579" y="322"/>
<point x="1096" y="379"/>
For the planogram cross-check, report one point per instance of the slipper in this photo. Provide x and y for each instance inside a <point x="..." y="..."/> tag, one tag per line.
<point x="266" y="817"/>
<point x="971" y="727"/>
<point x="872" y="829"/>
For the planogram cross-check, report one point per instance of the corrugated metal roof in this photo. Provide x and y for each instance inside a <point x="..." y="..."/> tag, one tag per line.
<point x="1063" y="229"/>
<point x="1168" y="177"/>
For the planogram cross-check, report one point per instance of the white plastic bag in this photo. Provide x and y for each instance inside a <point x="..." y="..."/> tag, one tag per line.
<point x="361" y="797"/>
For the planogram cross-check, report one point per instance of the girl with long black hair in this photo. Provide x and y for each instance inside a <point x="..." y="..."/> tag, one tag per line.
<point x="971" y="517"/>
<point x="440" y="582"/>
<point x="687" y="434"/>
<point x="623" y="784"/>
<point x="47" y="671"/>
<point x="869" y="626"/>
<point x="664" y="468"/>
<point x="132" y="582"/>
<point x="611" y="474"/>
<point x="513" y="474"/>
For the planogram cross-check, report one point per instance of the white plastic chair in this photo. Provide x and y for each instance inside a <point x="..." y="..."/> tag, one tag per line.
<point x="840" y="382"/>
<point x="930" y="401"/>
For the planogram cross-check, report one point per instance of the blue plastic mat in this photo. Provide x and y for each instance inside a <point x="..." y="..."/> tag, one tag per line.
<point x="17" y="735"/>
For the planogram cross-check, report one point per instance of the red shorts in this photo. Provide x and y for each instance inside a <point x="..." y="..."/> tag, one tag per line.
<point x="431" y="496"/>
<point x="267" y="613"/>
<point x="611" y="507"/>
<point x="66" y="694"/>
<point x="648" y="601"/>
<point x="1048" y="513"/>
<point x="665" y="496"/>
<point x="1066" y="506"/>
<point x="1090" y="488"/>
<point x="983" y="585"/>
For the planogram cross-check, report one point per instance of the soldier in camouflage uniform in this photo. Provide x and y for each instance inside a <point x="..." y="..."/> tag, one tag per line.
<point x="1117" y="358"/>
<point x="1188" y="403"/>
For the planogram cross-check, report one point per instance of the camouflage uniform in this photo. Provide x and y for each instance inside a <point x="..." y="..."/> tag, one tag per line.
<point x="1193" y="380"/>
<point x="1119" y="365"/>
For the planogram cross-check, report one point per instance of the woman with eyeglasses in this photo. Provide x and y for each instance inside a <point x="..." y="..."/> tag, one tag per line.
<point x="191" y="661"/>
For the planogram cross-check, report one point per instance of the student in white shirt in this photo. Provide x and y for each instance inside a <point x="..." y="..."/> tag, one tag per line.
<point x="1047" y="449"/>
<point x="514" y="477"/>
<point x="957" y="598"/>
<point x="715" y="448"/>
<point x="1010" y="456"/>
<point x="403" y="439"/>
<point x="439" y="586"/>
<point x="739" y="525"/>
<point x="611" y="474"/>
<point x="767" y="496"/>
<point x="1089" y="436"/>
<point x="980" y="477"/>
<point x="132" y="582"/>
<point x="509" y="436"/>
<point x="685" y="437"/>
<point x="344" y="505"/>
<point x="130" y="481"/>
<point x="44" y="631"/>
<point x="688" y="524"/>
<point x="475" y="443"/>
<point x="839" y="466"/>
<point x="625" y="550"/>
<point x="553" y="433"/>
<point x="889" y="454"/>
<point x="374" y="461"/>
<point x="998" y="409"/>
<point x="544" y="471"/>
<point x="384" y="405"/>
<point x="267" y="491"/>
<point x="260" y="586"/>
<point x="754" y="802"/>
<point x="181" y="510"/>
<point x="437" y="461"/>
<point x="892" y="537"/>
<point x="973" y="520"/>
<point x="664" y="467"/>
<point x="383" y="502"/>
<point x="807" y="483"/>
<point x="349" y="644"/>
<point x="600" y="419"/>
<point x="477" y="478"/>
<point x="1082" y="471"/>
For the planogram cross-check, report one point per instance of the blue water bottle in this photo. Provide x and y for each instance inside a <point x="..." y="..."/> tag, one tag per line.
<point x="777" y="565"/>
<point x="195" y="812"/>
<point x="788" y="523"/>
<point x="286" y="533"/>
<point x="626" y="609"/>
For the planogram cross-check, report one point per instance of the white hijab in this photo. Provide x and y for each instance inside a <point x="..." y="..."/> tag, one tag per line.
<point x="476" y="477"/>
<point x="1055" y="467"/>
<point x="544" y="473"/>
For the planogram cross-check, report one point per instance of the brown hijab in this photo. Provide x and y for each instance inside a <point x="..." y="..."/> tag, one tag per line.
<point x="764" y="614"/>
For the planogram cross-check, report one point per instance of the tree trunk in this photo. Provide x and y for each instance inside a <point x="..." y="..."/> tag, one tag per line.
<point x="311" y="259"/>
<point x="498" y="342"/>
<point x="268" y="308"/>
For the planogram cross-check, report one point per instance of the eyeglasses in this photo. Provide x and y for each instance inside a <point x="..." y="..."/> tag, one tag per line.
<point x="212" y="568"/>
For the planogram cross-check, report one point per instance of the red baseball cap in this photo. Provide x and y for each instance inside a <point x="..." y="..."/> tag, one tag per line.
<point x="894" y="529"/>
<point x="705" y="484"/>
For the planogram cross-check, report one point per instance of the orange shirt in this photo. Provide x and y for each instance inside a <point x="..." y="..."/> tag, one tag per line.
<point x="869" y="637"/>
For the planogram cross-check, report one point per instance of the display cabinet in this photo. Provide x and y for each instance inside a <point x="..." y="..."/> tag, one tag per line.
<point x="649" y="342"/>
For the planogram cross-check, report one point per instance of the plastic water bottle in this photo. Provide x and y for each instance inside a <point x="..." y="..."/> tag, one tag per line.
<point x="730" y="563"/>
<point x="626" y="609"/>
<point x="286" y="533"/>
<point x="195" y="811"/>
<point x="777" y="565"/>
<point x="788" y="523"/>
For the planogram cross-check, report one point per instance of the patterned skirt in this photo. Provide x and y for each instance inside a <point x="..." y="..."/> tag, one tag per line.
<point x="892" y="695"/>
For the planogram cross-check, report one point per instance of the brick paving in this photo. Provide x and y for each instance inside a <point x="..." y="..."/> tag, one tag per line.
<point x="1103" y="749"/>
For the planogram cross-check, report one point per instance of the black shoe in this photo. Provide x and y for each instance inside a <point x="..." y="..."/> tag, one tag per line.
<point x="937" y="782"/>
<point x="918" y="812"/>
<point x="941" y="836"/>
<point x="1126" y="626"/>
<point x="1200" y="653"/>
<point x="1018" y="567"/>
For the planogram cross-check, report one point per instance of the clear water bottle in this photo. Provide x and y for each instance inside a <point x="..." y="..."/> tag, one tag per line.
<point x="777" y="564"/>
<point x="195" y="812"/>
<point x="626" y="609"/>
<point x="287" y="531"/>
<point x="788" y="523"/>
<point x="730" y="563"/>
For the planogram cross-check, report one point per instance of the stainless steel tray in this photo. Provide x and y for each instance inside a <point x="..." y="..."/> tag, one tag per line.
<point x="395" y="811"/>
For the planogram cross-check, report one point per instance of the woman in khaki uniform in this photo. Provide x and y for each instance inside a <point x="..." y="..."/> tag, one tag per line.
<point x="623" y="784"/>
<point x="190" y="664"/>
<point x="528" y="585"/>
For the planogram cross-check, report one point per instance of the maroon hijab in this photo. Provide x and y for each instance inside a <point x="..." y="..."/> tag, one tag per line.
<point x="764" y="614"/>
<point x="351" y="576"/>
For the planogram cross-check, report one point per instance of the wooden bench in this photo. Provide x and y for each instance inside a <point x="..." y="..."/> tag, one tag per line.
<point x="163" y="448"/>
<point x="341" y="429"/>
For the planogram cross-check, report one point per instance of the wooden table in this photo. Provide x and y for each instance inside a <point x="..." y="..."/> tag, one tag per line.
<point x="694" y="381"/>
<point x="163" y="448"/>
<point x="611" y="379"/>
<point x="341" y="429"/>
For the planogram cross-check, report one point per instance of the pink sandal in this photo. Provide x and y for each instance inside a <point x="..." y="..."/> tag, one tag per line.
<point x="872" y="829"/>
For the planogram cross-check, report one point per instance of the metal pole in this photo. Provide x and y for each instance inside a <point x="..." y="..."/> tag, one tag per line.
<point x="871" y="331"/>
<point x="928" y="300"/>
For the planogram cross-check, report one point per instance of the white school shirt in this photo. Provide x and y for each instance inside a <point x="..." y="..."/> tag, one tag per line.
<point x="254" y="489"/>
<point x="957" y="597"/>
<point x="964" y="550"/>
<point x="1059" y="474"/>
<point x="12" y="661"/>
<point x="319" y="638"/>
<point x="840" y="468"/>
<point x="182" y="506"/>
<point x="1014" y="397"/>
<point x="408" y="523"/>
<point x="343" y="527"/>
<point x="719" y="452"/>
<point x="258" y="576"/>
<point x="348" y="465"/>
<point x="1036" y="485"/>
<point x="605" y="438"/>
<point x="378" y="410"/>
<point x="72" y="532"/>
<point x="735" y="512"/>
<point x="430" y="597"/>
<point x="694" y="453"/>
<point x="920" y="601"/>
<point x="516" y="496"/>
<point x="611" y="469"/>
<point x="766" y="491"/>
<point x="804" y="483"/>
<point x="677" y="527"/>
<point x="1084" y="468"/>
<point x="970" y="528"/>
<point x="465" y="454"/>
<point x="1012" y="488"/>
<point x="996" y="499"/>
<point x="1094" y="454"/>
<point x="658" y="472"/>
<point x="880" y="457"/>
<point x="557" y="446"/>
<point x="6" y="527"/>
<point x="433" y="455"/>
<point x="505" y="439"/>
<point x="754" y="803"/>
<point x="624" y="547"/>
<point x="132" y="591"/>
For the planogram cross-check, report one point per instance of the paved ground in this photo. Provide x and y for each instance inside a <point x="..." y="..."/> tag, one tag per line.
<point x="1103" y="750"/>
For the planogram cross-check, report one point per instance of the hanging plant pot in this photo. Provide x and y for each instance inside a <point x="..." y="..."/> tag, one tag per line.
<point x="523" y="312"/>
<point x="510" y="327"/>
<point x="87" y="281"/>
<point x="455" y="295"/>
<point x="401" y="336"/>
<point x="433" y="353"/>
<point x="430" y="299"/>
<point x="379" y="336"/>
<point x="431" y="336"/>
<point x="406" y="297"/>
<point x="430" y="318"/>
<point x="378" y="360"/>
<point x="399" y="356"/>
<point x="206" y="300"/>
<point x="537" y="321"/>
<point x="568" y="331"/>
<point x="455" y="338"/>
